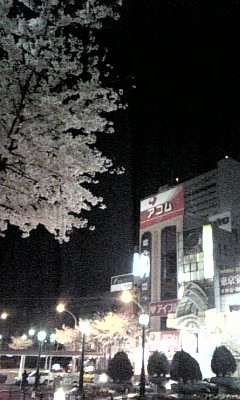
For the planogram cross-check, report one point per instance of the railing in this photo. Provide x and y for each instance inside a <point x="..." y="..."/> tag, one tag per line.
<point x="10" y="391"/>
<point x="53" y="353"/>
<point x="14" y="394"/>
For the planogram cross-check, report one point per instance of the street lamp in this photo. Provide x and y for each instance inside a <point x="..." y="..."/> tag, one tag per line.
<point x="4" y="315"/>
<point x="31" y="332"/>
<point x="84" y="328"/>
<point x="61" y="308"/>
<point x="41" y="337"/>
<point x="126" y="297"/>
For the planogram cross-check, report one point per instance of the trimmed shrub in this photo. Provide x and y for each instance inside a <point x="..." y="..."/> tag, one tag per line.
<point x="184" y="368"/>
<point x="223" y="362"/>
<point x="120" y="368"/>
<point x="158" y="364"/>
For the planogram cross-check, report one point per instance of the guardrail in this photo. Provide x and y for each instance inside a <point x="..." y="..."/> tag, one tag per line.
<point x="13" y="394"/>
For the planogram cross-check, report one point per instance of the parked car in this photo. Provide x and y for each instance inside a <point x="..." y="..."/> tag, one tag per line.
<point x="45" y="378"/>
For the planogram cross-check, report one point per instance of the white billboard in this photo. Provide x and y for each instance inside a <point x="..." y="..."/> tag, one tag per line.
<point x="121" y="282"/>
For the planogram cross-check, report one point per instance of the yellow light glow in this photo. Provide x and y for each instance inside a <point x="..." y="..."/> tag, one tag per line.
<point x="4" y="315"/>
<point x="60" y="308"/>
<point x="126" y="297"/>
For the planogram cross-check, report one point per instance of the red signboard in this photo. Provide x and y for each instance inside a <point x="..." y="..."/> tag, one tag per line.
<point x="163" y="308"/>
<point x="161" y="207"/>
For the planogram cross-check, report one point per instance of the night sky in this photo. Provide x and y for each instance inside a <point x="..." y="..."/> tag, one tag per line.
<point x="183" y="117"/>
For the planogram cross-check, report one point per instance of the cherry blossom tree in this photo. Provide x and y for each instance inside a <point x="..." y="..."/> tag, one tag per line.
<point x="110" y="332"/>
<point x="115" y="332"/>
<point x="54" y="102"/>
<point x="67" y="336"/>
<point x="20" y="343"/>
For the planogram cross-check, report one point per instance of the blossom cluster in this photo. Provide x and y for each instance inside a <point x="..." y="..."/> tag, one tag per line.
<point x="53" y="103"/>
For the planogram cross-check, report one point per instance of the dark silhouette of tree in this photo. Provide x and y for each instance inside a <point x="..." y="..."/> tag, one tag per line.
<point x="158" y="364"/>
<point x="223" y="362"/>
<point x="184" y="368"/>
<point x="120" y="368"/>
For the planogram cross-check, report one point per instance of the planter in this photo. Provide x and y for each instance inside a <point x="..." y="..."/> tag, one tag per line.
<point x="227" y="384"/>
<point x="120" y="387"/>
<point x="199" y="387"/>
<point x="159" y="382"/>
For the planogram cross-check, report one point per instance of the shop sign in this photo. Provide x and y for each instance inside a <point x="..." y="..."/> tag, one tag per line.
<point x="163" y="308"/>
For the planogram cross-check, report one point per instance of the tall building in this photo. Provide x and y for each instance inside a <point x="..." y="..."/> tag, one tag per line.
<point x="189" y="271"/>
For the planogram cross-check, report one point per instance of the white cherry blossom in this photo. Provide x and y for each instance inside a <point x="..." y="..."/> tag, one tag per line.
<point x="54" y="102"/>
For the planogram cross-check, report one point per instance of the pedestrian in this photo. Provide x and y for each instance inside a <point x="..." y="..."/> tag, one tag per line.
<point x="24" y="379"/>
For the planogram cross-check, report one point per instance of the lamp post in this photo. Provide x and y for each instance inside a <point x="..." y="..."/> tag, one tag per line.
<point x="84" y="327"/>
<point x="143" y="321"/>
<point x="61" y="308"/>
<point x="4" y="316"/>
<point x="41" y="337"/>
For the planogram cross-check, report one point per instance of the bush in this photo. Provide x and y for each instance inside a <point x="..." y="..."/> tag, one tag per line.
<point x="184" y="368"/>
<point x="3" y="378"/>
<point x="158" y="364"/>
<point x="120" y="368"/>
<point x="223" y="362"/>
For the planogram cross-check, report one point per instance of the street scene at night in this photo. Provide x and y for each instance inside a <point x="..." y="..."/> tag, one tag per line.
<point x="119" y="200"/>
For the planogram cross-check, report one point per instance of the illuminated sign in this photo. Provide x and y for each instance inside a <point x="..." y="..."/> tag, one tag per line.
<point x="165" y="341"/>
<point x="230" y="280"/>
<point x="163" y="308"/>
<point x="121" y="282"/>
<point x="170" y="341"/>
<point x="144" y="264"/>
<point x="161" y="207"/>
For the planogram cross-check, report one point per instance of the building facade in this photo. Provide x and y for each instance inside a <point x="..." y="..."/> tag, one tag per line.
<point x="189" y="270"/>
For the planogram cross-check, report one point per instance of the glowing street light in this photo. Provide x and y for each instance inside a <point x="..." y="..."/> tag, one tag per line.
<point x="4" y="315"/>
<point x="53" y="337"/>
<point x="61" y="308"/>
<point x="126" y="297"/>
<point x="84" y="328"/>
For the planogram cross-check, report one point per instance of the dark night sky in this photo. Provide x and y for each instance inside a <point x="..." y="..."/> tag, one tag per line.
<point x="182" y="118"/>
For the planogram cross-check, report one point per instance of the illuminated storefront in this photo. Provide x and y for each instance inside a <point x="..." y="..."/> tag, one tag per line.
<point x="190" y="260"/>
